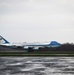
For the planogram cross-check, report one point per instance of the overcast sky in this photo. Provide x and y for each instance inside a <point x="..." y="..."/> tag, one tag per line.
<point x="37" y="20"/>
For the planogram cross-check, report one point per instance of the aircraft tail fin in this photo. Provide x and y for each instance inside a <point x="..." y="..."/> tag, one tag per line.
<point x="3" y="40"/>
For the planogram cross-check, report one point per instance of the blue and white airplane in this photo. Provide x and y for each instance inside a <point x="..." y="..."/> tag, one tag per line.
<point x="27" y="46"/>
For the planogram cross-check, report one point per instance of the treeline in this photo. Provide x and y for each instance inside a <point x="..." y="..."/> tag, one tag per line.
<point x="67" y="47"/>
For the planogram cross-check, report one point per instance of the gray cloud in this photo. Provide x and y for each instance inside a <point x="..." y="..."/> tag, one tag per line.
<point x="51" y="19"/>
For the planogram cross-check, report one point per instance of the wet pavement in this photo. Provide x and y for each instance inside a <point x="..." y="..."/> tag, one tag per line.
<point x="36" y="65"/>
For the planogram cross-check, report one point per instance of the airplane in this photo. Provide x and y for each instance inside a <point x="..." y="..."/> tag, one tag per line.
<point x="37" y="46"/>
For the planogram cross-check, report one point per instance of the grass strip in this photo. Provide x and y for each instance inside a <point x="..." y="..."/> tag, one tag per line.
<point x="34" y="54"/>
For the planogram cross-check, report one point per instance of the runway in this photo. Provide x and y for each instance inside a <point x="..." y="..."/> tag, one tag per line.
<point x="36" y="65"/>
